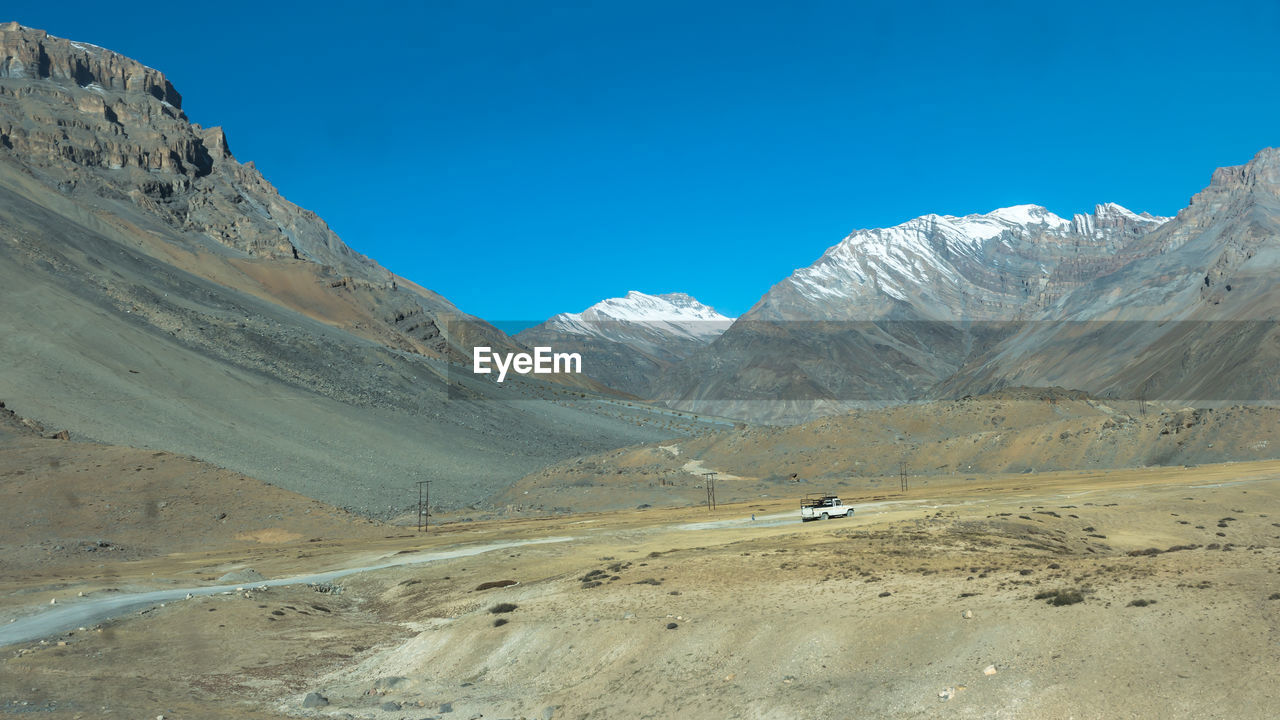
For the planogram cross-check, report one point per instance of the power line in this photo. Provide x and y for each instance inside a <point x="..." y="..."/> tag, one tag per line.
<point x="424" y="504"/>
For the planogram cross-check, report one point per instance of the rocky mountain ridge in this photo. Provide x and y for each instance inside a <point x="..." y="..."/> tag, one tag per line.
<point x="1190" y="317"/>
<point x="887" y="314"/>
<point x="1001" y="265"/>
<point x="1119" y="304"/>
<point x="85" y="116"/>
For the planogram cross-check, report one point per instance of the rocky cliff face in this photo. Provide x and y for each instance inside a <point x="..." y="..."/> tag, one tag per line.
<point x="83" y="117"/>
<point x="31" y="53"/>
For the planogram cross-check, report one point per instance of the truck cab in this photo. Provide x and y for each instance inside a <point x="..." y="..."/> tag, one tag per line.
<point x="821" y="506"/>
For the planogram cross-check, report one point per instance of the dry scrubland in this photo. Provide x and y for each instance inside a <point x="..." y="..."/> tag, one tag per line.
<point x="923" y="605"/>
<point x="77" y="509"/>
<point x="936" y="444"/>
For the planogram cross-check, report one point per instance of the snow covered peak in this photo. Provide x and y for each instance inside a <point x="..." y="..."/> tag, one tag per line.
<point x="673" y="313"/>
<point x="1111" y="216"/>
<point x="1028" y="215"/>
<point x="1117" y="210"/>
<point x="642" y="307"/>
<point x="972" y="229"/>
<point x="954" y="265"/>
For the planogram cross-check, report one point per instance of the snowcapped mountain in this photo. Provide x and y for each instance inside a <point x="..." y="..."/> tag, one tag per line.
<point x="1190" y="317"/>
<point x="625" y="342"/>
<point x="886" y="314"/>
<point x="998" y="265"/>
<point x="676" y="314"/>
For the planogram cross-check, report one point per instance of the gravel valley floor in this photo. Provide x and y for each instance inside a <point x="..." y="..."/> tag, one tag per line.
<point x="1146" y="593"/>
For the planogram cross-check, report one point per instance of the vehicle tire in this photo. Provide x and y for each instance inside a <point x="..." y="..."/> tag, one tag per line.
<point x="824" y="516"/>
<point x="849" y="514"/>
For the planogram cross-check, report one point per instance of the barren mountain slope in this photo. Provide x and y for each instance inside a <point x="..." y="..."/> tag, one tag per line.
<point x="153" y="298"/>
<point x="80" y="509"/>
<point x="886" y="314"/>
<point x="1192" y="317"/>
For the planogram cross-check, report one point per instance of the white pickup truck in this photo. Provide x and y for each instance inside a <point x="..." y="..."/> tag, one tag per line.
<point x="821" y="507"/>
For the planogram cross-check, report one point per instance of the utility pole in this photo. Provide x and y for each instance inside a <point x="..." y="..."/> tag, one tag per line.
<point x="709" y="479"/>
<point x="424" y="504"/>
<point x="902" y="476"/>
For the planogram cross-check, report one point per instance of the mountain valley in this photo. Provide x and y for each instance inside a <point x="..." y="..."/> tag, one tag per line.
<point x="247" y="471"/>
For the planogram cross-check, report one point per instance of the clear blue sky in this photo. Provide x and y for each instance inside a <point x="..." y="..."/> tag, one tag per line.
<point x="527" y="158"/>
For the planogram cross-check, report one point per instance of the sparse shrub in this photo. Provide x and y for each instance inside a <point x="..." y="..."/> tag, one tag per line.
<point x="499" y="622"/>
<point x="1148" y="551"/>
<point x="591" y="584"/>
<point x="1274" y="596"/>
<point x="648" y="581"/>
<point x="1141" y="603"/>
<point x="503" y="608"/>
<point x="1070" y="597"/>
<point x="1061" y="597"/>
<point x="494" y="584"/>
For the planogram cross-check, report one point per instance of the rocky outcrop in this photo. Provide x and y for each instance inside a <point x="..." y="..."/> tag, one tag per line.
<point x="95" y="122"/>
<point x="14" y="424"/>
<point x="34" y="54"/>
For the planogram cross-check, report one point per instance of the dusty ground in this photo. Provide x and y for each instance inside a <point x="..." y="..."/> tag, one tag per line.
<point x="72" y="509"/>
<point x="1019" y="431"/>
<point x="774" y="618"/>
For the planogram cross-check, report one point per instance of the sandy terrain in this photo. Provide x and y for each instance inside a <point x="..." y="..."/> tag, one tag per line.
<point x="923" y="604"/>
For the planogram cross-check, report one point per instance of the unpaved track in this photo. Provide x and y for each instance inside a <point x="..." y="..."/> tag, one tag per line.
<point x="56" y="619"/>
<point x="53" y="620"/>
<point x="63" y="618"/>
